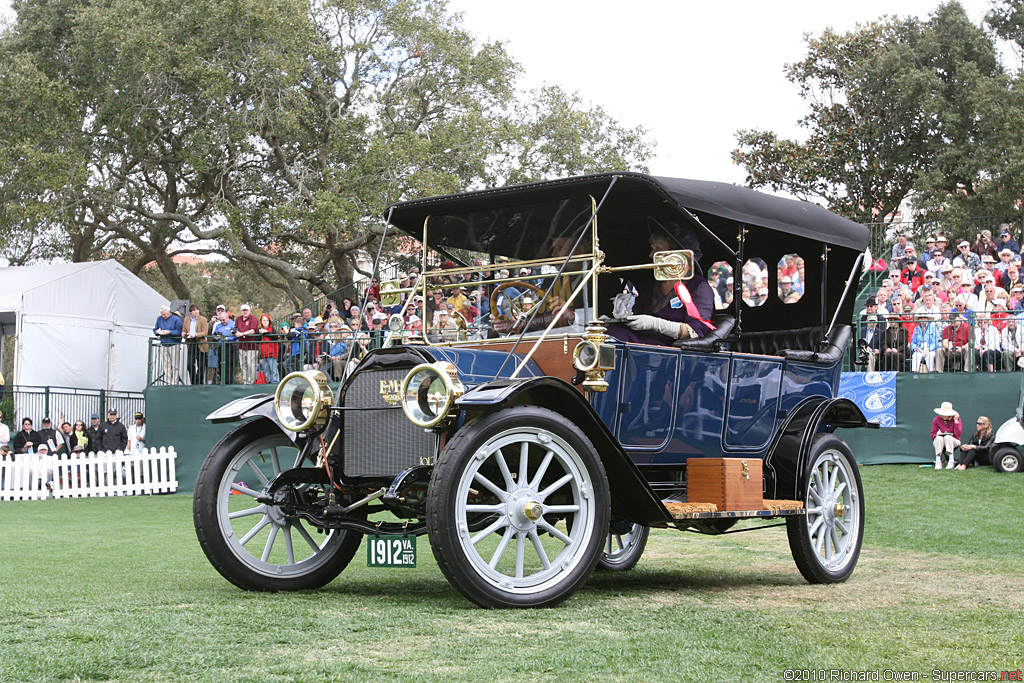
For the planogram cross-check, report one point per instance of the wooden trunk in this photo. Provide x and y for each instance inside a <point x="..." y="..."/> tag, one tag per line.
<point x="729" y="483"/>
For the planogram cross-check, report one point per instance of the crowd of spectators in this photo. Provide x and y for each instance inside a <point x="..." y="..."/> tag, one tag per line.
<point x="951" y="307"/>
<point x="249" y="348"/>
<point x="50" y="441"/>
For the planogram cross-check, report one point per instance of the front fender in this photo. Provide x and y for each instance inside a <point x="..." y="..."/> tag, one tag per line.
<point x="257" y="405"/>
<point x="632" y="497"/>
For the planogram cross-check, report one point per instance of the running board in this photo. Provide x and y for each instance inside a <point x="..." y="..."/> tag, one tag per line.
<point x="772" y="508"/>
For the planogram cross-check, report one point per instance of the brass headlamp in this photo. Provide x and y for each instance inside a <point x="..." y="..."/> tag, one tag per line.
<point x="594" y="357"/>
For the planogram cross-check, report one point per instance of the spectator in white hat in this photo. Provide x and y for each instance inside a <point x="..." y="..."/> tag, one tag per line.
<point x="946" y="430"/>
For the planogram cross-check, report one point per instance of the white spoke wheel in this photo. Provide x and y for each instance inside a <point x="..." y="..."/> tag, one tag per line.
<point x="517" y="509"/>
<point x="826" y="541"/>
<point x="255" y="546"/>
<point x="1007" y="459"/>
<point x="623" y="546"/>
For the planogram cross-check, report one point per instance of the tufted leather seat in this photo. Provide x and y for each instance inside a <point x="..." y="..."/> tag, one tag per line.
<point x="803" y="344"/>
<point x="723" y="323"/>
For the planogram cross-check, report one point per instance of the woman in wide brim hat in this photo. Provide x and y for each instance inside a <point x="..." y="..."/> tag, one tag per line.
<point x="946" y="430"/>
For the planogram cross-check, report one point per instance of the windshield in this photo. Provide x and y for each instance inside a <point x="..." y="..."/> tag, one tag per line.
<point x="491" y="275"/>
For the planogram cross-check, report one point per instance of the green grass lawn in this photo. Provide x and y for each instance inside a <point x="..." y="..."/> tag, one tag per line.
<point x="118" y="589"/>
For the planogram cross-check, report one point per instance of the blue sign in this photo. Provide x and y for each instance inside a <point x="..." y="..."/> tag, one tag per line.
<point x="874" y="393"/>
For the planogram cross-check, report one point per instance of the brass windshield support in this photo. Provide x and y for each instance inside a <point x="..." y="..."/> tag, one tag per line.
<point x="592" y="274"/>
<point x="598" y="256"/>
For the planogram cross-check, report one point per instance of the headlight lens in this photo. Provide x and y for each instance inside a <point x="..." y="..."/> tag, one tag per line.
<point x="429" y="391"/>
<point x="302" y="400"/>
<point x="585" y="356"/>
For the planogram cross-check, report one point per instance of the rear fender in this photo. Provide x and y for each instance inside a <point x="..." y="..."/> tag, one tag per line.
<point x="786" y="461"/>
<point x="632" y="497"/>
<point x="258" y="405"/>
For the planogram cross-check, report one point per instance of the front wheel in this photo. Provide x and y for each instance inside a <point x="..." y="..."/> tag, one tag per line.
<point x="623" y="546"/>
<point x="517" y="509"/>
<point x="1007" y="459"/>
<point x="255" y="546"/>
<point x="826" y="541"/>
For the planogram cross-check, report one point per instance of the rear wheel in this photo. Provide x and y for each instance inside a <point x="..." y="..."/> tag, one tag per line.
<point x="826" y="541"/>
<point x="623" y="546"/>
<point x="1007" y="459"/>
<point x="256" y="546"/>
<point x="517" y="509"/>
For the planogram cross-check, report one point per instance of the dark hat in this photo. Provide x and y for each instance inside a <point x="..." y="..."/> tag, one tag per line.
<point x="1004" y="232"/>
<point x="112" y="411"/>
<point x="871" y="301"/>
<point x="95" y="416"/>
<point x="46" y="420"/>
<point x="140" y="416"/>
<point x="681" y="236"/>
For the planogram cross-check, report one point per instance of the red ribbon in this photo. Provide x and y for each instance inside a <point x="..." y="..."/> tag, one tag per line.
<point x="691" y="308"/>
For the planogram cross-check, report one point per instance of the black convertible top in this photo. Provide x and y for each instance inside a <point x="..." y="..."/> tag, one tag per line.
<point x="722" y="200"/>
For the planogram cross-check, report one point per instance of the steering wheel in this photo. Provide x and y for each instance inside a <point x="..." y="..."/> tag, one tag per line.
<point x="517" y="306"/>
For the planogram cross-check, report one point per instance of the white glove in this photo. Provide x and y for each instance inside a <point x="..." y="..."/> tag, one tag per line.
<point x="650" y="323"/>
<point x="622" y="305"/>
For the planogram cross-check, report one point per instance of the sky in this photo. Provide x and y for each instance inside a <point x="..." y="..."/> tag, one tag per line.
<point x="691" y="73"/>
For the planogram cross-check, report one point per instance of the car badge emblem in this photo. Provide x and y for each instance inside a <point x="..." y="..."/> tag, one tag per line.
<point x="391" y="391"/>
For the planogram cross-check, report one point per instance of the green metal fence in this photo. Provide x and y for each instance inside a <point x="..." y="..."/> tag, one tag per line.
<point x="37" y="402"/>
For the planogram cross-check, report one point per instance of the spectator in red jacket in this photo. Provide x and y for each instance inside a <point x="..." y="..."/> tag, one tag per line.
<point x="946" y="430"/>
<point x="268" y="349"/>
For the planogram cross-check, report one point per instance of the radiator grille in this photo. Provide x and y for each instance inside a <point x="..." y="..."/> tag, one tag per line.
<point x="381" y="443"/>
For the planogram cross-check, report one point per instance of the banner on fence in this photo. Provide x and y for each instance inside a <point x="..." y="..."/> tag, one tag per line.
<point x="874" y="393"/>
<point x="33" y="477"/>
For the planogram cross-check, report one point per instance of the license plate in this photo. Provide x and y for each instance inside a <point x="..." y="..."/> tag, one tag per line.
<point x="391" y="551"/>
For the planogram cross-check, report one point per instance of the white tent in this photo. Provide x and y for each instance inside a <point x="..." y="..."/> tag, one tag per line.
<point x="83" y="325"/>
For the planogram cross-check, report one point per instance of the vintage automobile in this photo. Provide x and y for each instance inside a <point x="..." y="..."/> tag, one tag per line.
<point x="543" y="448"/>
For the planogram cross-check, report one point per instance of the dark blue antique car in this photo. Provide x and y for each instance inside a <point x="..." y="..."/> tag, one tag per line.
<point x="528" y="443"/>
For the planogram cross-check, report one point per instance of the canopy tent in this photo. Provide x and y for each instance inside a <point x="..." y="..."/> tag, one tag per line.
<point x="83" y="325"/>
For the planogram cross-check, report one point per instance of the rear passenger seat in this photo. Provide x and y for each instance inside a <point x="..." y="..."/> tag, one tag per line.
<point x="803" y="344"/>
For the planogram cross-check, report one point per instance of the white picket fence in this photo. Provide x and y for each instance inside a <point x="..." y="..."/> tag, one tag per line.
<point x="89" y="475"/>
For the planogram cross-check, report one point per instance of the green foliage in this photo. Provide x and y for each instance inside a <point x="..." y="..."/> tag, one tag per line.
<point x="898" y="106"/>
<point x="271" y="132"/>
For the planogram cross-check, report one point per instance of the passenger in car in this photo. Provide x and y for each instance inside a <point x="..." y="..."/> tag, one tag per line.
<point x="665" y="311"/>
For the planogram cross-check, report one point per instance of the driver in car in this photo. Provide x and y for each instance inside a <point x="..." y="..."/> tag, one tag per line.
<point x="665" y="310"/>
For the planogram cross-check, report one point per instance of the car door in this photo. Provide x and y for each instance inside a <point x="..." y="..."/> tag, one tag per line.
<point x="753" y="402"/>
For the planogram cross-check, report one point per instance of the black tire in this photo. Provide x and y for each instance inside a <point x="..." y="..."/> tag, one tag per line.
<point x="623" y="546"/>
<point x="464" y="514"/>
<point x="811" y="535"/>
<point x="1007" y="459"/>
<point x="219" y="535"/>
